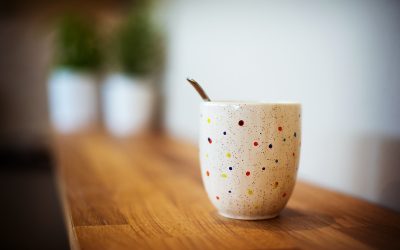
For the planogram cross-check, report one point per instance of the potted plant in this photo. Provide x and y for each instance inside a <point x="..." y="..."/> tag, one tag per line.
<point x="128" y="94"/>
<point x="72" y="83"/>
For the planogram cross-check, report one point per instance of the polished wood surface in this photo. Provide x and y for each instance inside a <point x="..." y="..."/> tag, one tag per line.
<point x="146" y="193"/>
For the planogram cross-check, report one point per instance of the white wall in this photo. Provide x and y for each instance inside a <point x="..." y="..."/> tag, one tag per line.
<point x="340" y="59"/>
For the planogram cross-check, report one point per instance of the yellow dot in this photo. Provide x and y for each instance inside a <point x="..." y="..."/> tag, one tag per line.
<point x="228" y="155"/>
<point x="209" y="120"/>
<point x="207" y="155"/>
<point x="250" y="191"/>
<point x="224" y="175"/>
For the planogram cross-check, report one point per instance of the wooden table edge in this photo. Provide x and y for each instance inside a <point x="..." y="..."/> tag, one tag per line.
<point x="67" y="217"/>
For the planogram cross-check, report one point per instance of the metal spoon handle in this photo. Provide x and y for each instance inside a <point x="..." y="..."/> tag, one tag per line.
<point x="199" y="89"/>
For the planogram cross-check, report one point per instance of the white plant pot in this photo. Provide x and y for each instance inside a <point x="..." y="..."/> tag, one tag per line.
<point x="72" y="100"/>
<point x="127" y="104"/>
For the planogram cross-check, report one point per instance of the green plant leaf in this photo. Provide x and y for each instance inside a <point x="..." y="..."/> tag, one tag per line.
<point x="77" y="44"/>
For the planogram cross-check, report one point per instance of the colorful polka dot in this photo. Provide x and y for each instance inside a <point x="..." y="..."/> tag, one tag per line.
<point x="228" y="155"/>
<point x="229" y="191"/>
<point x="230" y="168"/>
<point x="250" y="191"/>
<point x="209" y="140"/>
<point x="217" y="197"/>
<point x="279" y="129"/>
<point x="241" y="123"/>
<point x="207" y="173"/>
<point x="224" y="175"/>
<point x="255" y="144"/>
<point x="224" y="133"/>
<point x="295" y="134"/>
<point x="284" y="139"/>
<point x="263" y="168"/>
<point x="247" y="173"/>
<point x="276" y="161"/>
<point x="270" y="145"/>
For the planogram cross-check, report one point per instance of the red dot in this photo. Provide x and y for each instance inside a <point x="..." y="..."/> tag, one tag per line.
<point x="209" y="140"/>
<point x="284" y="194"/>
<point x="208" y="173"/>
<point x="255" y="144"/>
<point x="247" y="173"/>
<point x="241" y="123"/>
<point x="217" y="197"/>
<point x="280" y="128"/>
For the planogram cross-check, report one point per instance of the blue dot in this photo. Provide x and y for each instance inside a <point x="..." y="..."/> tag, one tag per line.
<point x="230" y="168"/>
<point x="224" y="132"/>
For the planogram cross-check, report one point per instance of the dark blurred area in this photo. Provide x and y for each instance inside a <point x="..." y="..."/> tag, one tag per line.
<point x="30" y="210"/>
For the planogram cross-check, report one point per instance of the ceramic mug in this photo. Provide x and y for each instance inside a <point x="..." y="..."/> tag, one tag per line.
<point x="249" y="154"/>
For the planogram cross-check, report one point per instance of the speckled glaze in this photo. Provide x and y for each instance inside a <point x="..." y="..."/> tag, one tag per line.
<point x="249" y="154"/>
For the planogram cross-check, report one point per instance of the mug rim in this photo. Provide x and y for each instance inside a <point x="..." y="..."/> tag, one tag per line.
<point x="251" y="103"/>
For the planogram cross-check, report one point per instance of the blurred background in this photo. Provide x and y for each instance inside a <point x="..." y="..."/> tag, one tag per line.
<point x="73" y="67"/>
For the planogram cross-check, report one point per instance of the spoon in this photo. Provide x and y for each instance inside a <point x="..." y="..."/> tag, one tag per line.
<point x="199" y="89"/>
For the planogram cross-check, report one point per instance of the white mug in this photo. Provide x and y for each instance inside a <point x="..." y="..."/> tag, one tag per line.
<point x="249" y="154"/>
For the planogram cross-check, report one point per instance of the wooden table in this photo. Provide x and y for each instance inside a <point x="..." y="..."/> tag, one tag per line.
<point x="146" y="193"/>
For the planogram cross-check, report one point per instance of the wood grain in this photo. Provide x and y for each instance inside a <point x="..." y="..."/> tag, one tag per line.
<point x="146" y="193"/>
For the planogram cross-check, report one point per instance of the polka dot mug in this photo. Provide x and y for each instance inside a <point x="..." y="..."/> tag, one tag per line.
<point x="249" y="154"/>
